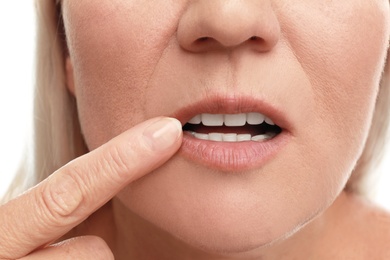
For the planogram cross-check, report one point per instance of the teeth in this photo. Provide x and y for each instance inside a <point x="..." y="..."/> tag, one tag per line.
<point x="215" y="137"/>
<point x="244" y="137"/>
<point x="219" y="137"/>
<point x="230" y="119"/>
<point x="196" y="120"/>
<point x="269" y="121"/>
<point x="255" y="118"/>
<point x="201" y="136"/>
<point x="235" y="120"/>
<point x="212" y="119"/>
<point x="229" y="137"/>
<point x="259" y="138"/>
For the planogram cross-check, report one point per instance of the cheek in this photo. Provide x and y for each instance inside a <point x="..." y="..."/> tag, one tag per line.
<point x="343" y="58"/>
<point x="114" y="52"/>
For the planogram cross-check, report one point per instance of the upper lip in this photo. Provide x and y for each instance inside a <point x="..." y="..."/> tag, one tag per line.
<point x="217" y="104"/>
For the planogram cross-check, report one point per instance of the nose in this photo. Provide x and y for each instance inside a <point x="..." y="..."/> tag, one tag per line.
<point x="208" y="25"/>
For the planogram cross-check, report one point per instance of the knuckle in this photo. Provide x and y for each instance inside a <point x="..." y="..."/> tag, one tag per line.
<point x="60" y="198"/>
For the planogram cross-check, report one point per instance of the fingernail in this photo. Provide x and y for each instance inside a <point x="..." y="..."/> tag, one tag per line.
<point x="162" y="134"/>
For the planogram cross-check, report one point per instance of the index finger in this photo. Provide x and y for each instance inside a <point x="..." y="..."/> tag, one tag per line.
<point x="75" y="191"/>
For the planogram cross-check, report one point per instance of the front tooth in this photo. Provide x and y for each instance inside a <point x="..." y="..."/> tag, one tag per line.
<point x="195" y="120"/>
<point x="235" y="120"/>
<point x="229" y="137"/>
<point x="215" y="137"/>
<point x="269" y="121"/>
<point x="255" y="118"/>
<point x="212" y="119"/>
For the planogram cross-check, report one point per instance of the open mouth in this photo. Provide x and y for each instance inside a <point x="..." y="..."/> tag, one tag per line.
<point x="241" y="127"/>
<point x="233" y="133"/>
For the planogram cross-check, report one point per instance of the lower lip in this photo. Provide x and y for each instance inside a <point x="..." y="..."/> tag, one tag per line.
<point x="232" y="157"/>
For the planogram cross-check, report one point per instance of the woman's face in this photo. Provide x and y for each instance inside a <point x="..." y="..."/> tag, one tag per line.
<point x="311" y="66"/>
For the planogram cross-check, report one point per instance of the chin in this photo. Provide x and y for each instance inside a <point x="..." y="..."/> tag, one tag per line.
<point x="215" y="212"/>
<point x="225" y="240"/>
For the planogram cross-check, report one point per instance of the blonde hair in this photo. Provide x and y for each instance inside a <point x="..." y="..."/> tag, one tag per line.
<point x="54" y="108"/>
<point x="56" y="129"/>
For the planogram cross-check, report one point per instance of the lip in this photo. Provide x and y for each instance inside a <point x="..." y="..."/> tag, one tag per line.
<point x="239" y="156"/>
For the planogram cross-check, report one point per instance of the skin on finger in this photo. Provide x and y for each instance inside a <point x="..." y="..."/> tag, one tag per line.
<point x="75" y="191"/>
<point x="87" y="247"/>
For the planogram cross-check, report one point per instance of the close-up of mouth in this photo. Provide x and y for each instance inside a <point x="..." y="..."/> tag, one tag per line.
<point x="232" y="134"/>
<point x="241" y="127"/>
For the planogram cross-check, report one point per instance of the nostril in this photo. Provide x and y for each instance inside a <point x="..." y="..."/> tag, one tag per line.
<point x="205" y="43"/>
<point x="257" y="40"/>
<point x="209" y="43"/>
<point x="225" y="25"/>
<point x="203" y="39"/>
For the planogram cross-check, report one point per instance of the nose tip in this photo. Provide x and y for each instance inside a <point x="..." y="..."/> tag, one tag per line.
<point x="225" y="24"/>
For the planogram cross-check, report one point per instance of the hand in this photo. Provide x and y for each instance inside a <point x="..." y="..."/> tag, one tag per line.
<point x="32" y="221"/>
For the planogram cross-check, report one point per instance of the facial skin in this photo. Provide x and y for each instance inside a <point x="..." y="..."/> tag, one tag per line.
<point x="319" y="62"/>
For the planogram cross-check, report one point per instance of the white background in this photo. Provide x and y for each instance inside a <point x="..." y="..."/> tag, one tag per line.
<point x="17" y="25"/>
